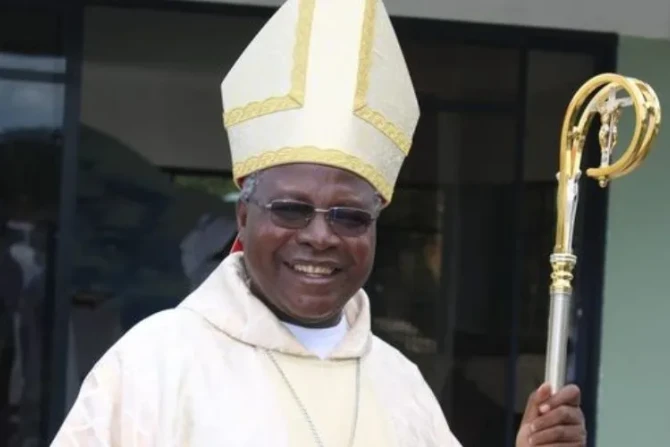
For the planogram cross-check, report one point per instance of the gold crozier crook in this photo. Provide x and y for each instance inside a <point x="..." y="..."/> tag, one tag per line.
<point x="603" y="90"/>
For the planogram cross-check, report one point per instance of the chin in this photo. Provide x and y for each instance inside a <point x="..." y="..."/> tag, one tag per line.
<point x="317" y="313"/>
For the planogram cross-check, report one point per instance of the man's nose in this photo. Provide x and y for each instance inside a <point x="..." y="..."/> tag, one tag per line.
<point x="318" y="233"/>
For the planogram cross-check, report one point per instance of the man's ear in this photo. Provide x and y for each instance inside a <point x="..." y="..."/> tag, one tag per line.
<point x="241" y="214"/>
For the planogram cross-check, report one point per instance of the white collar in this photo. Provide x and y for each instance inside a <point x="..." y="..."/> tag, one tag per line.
<point x="320" y="341"/>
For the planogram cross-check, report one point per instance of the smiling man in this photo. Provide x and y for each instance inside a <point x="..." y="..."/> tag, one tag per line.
<point x="307" y="268"/>
<point x="275" y="347"/>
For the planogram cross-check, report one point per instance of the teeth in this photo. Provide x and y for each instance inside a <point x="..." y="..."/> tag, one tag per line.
<point x="313" y="269"/>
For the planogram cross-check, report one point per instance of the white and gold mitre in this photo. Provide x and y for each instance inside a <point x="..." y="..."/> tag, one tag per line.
<point x="325" y="82"/>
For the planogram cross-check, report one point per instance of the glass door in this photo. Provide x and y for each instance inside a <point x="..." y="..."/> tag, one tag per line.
<point x="33" y="136"/>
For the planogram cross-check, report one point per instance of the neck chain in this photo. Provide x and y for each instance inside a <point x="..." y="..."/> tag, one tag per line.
<point x="310" y="422"/>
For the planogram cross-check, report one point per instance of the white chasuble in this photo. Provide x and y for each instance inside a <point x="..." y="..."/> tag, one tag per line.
<point x="222" y="370"/>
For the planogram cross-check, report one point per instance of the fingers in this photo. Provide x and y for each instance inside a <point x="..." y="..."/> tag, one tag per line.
<point x="562" y="444"/>
<point x="569" y="395"/>
<point x="543" y="401"/>
<point x="573" y="435"/>
<point x="554" y="421"/>
<point x="561" y="416"/>
<point x="534" y="401"/>
<point x="561" y="426"/>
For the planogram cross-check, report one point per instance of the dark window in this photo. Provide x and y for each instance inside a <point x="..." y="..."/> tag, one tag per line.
<point x="32" y="101"/>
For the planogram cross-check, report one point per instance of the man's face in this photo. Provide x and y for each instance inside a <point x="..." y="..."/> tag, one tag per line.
<point x="307" y="274"/>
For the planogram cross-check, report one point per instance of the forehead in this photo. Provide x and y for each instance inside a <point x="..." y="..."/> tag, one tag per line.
<point x="314" y="180"/>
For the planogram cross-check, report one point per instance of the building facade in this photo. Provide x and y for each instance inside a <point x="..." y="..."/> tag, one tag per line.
<point x="116" y="200"/>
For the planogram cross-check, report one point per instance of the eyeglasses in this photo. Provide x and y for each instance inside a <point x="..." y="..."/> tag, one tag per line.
<point x="295" y="215"/>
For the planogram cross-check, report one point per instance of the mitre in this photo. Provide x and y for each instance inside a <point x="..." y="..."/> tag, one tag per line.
<point x="325" y="82"/>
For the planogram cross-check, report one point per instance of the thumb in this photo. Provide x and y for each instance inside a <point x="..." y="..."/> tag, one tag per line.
<point x="535" y="401"/>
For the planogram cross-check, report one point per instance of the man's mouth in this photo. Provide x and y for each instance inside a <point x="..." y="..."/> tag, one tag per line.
<point x="313" y="270"/>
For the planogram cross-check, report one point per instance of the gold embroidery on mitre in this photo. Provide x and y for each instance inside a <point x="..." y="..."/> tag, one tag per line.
<point x="361" y="108"/>
<point x="311" y="154"/>
<point x="296" y="96"/>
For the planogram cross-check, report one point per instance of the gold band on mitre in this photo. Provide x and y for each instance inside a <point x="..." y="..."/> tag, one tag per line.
<point x="323" y="82"/>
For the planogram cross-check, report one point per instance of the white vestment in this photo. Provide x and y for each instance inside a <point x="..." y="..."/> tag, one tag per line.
<point x="201" y="375"/>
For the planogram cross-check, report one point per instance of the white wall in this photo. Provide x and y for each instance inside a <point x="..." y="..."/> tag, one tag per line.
<point x="643" y="18"/>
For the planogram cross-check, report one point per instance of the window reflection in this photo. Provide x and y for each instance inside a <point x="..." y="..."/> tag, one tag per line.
<point x="28" y="105"/>
<point x="41" y="63"/>
<point x="145" y="239"/>
<point x="31" y="143"/>
<point x="30" y="154"/>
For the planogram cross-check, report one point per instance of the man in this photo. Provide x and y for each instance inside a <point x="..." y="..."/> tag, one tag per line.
<point x="275" y="348"/>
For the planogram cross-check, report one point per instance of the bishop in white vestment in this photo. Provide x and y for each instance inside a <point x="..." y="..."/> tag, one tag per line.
<point x="204" y="374"/>
<point x="275" y="347"/>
